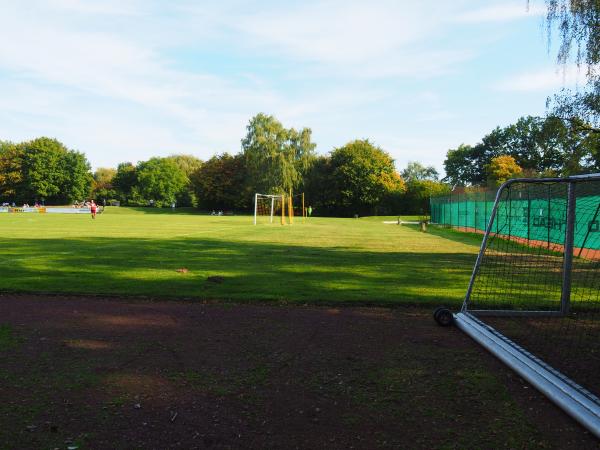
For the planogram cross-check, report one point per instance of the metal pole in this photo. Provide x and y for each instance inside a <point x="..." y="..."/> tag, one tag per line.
<point x="528" y="214"/>
<point x="477" y="198"/>
<point x="579" y="404"/>
<point x="291" y="208"/>
<point x="565" y="297"/>
<point x="488" y="230"/>
<point x="549" y="218"/>
<point x="272" y="207"/>
<point x="255" y="207"/>
<point x="509" y="214"/>
<point x="485" y="193"/>
<point x="459" y="211"/>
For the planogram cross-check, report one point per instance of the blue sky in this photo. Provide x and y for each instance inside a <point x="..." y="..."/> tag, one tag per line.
<point x="124" y="80"/>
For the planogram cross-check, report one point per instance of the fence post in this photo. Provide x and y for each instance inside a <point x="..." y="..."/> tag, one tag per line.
<point x="549" y="217"/>
<point x="565" y="296"/>
<point x="485" y="213"/>
<point x="510" y="214"/>
<point x="458" y="211"/>
<point x="528" y="215"/>
<point x="475" y="207"/>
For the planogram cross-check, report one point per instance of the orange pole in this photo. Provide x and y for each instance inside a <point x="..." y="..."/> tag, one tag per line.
<point x="291" y="208"/>
<point x="303" y="210"/>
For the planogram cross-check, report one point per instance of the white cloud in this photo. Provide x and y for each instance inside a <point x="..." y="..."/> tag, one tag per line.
<point x="379" y="39"/>
<point x="109" y="77"/>
<point x="108" y="7"/>
<point x="333" y="32"/>
<point x="547" y="79"/>
<point x="500" y="12"/>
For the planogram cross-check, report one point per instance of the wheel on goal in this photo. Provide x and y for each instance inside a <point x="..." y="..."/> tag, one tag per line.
<point x="443" y="316"/>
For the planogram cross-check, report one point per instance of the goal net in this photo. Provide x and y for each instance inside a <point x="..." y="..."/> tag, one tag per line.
<point x="269" y="208"/>
<point x="534" y="295"/>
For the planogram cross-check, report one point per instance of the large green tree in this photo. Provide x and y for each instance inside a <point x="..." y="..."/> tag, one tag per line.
<point x="540" y="146"/>
<point x="220" y="183"/>
<point x="78" y="180"/>
<point x="125" y="181"/>
<point x="416" y="198"/>
<point x="319" y="187"/>
<point x="362" y="175"/>
<point x="276" y="158"/>
<point x="159" y="181"/>
<point x="103" y="185"/>
<point x="421" y="184"/>
<point x="188" y="164"/>
<point x="462" y="165"/>
<point x="416" y="171"/>
<point x="43" y="169"/>
<point x="501" y="169"/>
<point x="11" y="175"/>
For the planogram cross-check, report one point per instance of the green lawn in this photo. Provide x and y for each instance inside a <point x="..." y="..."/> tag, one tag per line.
<point x="138" y="252"/>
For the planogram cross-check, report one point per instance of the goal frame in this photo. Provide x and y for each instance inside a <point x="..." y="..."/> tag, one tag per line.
<point x="272" y="197"/>
<point x="573" y="398"/>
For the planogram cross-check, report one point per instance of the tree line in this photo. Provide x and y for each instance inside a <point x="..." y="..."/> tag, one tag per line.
<point x="43" y="170"/>
<point x="533" y="147"/>
<point x="357" y="178"/>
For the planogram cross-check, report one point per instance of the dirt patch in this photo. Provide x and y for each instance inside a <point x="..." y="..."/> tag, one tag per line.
<point x="102" y="373"/>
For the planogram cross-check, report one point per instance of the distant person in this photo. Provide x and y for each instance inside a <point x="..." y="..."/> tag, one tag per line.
<point x="93" y="209"/>
<point x="309" y="210"/>
<point x="173" y="206"/>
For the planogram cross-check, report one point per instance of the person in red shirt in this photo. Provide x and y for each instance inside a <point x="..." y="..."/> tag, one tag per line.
<point x="93" y="209"/>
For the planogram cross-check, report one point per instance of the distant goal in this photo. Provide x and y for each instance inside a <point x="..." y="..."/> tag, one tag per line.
<point x="268" y="208"/>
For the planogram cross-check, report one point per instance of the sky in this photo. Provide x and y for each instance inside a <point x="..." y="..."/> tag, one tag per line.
<point x="126" y="80"/>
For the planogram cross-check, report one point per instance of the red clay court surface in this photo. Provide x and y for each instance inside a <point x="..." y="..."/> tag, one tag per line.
<point x="108" y="373"/>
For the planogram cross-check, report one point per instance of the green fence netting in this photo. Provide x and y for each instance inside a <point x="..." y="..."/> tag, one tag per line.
<point x="533" y="215"/>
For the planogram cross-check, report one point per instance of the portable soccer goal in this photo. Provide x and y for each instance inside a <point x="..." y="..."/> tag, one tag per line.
<point x="269" y="208"/>
<point x="534" y="295"/>
<point x="278" y="208"/>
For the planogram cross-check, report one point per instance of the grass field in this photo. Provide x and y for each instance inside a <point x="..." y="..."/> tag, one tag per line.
<point x="139" y="251"/>
<point x="90" y="372"/>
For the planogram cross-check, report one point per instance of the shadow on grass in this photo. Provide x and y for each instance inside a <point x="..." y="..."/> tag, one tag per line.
<point x="241" y="271"/>
<point x="455" y="235"/>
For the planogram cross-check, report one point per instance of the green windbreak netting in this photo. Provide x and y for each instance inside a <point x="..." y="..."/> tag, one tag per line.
<point x="531" y="214"/>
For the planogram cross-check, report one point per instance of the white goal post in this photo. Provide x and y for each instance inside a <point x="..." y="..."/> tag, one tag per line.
<point x="267" y="205"/>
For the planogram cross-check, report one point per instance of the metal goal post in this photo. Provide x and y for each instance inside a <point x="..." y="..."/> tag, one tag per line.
<point x="533" y="299"/>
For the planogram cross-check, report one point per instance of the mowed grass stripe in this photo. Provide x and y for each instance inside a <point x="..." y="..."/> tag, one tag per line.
<point x="321" y="260"/>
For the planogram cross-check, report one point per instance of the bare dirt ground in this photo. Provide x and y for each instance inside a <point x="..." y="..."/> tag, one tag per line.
<point x="107" y="373"/>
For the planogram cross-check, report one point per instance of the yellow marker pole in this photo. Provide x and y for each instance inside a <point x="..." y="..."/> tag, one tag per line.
<point x="282" y="209"/>
<point x="291" y="208"/>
